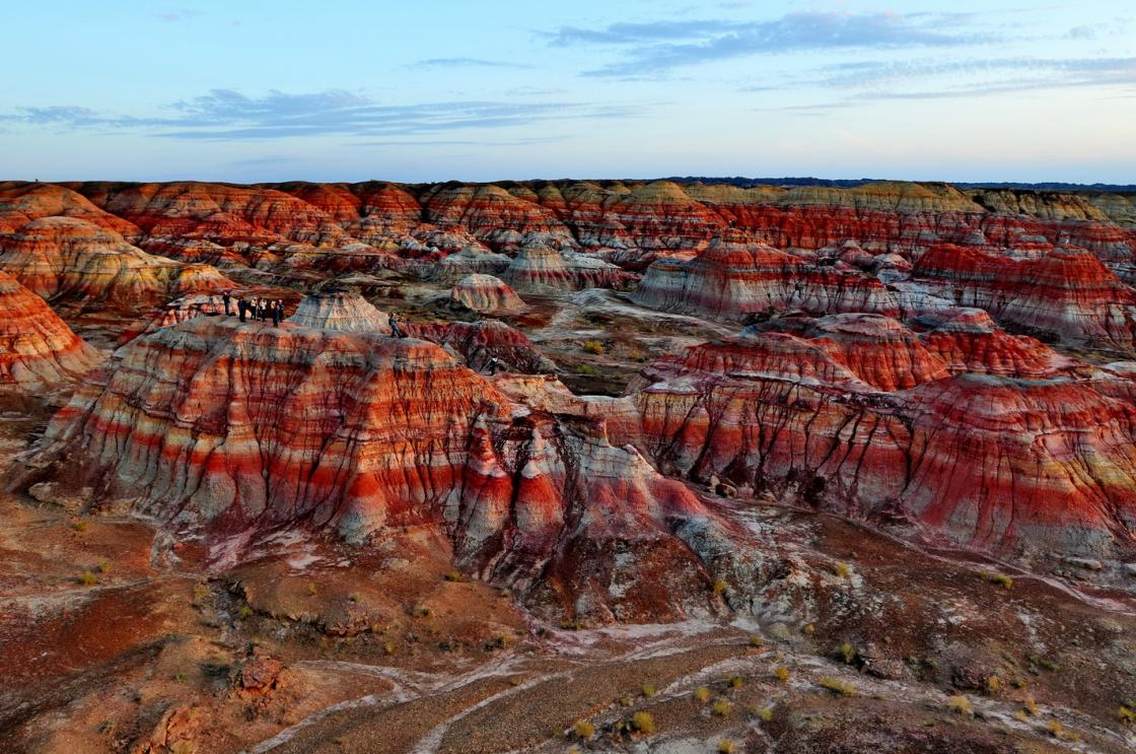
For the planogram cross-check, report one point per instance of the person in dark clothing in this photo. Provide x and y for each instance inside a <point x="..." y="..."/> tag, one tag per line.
<point x="242" y="308"/>
<point x="226" y="298"/>
<point x="275" y="314"/>
<point x="396" y="331"/>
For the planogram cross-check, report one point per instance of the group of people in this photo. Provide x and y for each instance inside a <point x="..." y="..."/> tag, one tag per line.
<point x="260" y="309"/>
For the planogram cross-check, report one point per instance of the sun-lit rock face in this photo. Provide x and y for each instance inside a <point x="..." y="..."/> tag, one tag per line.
<point x="968" y="340"/>
<point x="21" y="203"/>
<point x="1000" y="463"/>
<point x="1067" y="293"/>
<point x="470" y="260"/>
<point x="487" y="295"/>
<point x="37" y="349"/>
<point x="491" y="214"/>
<point x="73" y="261"/>
<point x="233" y="426"/>
<point x="734" y="278"/>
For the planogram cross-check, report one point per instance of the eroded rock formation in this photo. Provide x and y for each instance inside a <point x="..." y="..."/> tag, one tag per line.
<point x="486" y="294"/>
<point x="37" y="349"/>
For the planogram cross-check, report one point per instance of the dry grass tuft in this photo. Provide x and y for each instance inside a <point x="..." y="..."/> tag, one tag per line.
<point x="960" y="705"/>
<point x="782" y="674"/>
<point x="702" y="694"/>
<point x="643" y="722"/>
<point x="595" y="347"/>
<point x="584" y="729"/>
<point x="722" y="708"/>
<point x="838" y="686"/>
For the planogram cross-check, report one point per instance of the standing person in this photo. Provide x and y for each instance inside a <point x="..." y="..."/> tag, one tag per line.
<point x="242" y="308"/>
<point x="396" y="331"/>
<point x="280" y="307"/>
<point x="226" y="298"/>
<point x="275" y="313"/>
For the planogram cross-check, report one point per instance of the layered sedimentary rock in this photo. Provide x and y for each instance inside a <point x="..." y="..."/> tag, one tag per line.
<point x="968" y="340"/>
<point x="469" y="261"/>
<point x="1066" y="293"/>
<point x="487" y="345"/>
<point x="487" y="295"/>
<point x="539" y="267"/>
<point x="227" y="426"/>
<point x="1000" y="463"/>
<point x="37" y="349"/>
<point x="344" y="311"/>
<point x="734" y="278"/>
<point x="73" y="261"/>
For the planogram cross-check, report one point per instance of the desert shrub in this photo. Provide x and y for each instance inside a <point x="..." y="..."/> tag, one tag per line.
<point x="454" y="576"/>
<point x="765" y="714"/>
<point x="838" y="686"/>
<point x="354" y="597"/>
<point x="843" y="570"/>
<point x="389" y="647"/>
<point x="244" y="612"/>
<point x="781" y="673"/>
<point x="79" y="526"/>
<point x="719" y="586"/>
<point x="726" y="746"/>
<point x="1001" y="579"/>
<point x="736" y="682"/>
<point x="847" y="653"/>
<point x="722" y="708"/>
<point x="584" y="729"/>
<point x="88" y="578"/>
<point x="993" y="684"/>
<point x="587" y="369"/>
<point x="1126" y="714"/>
<point x="702" y="694"/>
<point x="593" y="346"/>
<point x="648" y="690"/>
<point x="1030" y="706"/>
<point x="755" y="641"/>
<point x="643" y="722"/>
<point x="960" y="705"/>
<point x="312" y="588"/>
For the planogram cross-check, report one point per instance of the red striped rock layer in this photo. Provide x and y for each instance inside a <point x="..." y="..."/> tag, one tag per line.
<point x="733" y="279"/>
<point x="1068" y="293"/>
<point x="210" y="422"/>
<point x="487" y="295"/>
<point x="486" y="345"/>
<point x="1003" y="464"/>
<point x="74" y="261"/>
<point x="542" y="267"/>
<point x="37" y="349"/>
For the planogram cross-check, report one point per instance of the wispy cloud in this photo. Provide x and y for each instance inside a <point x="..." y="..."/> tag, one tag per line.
<point x="228" y="115"/>
<point x="176" y="14"/>
<point x="468" y="63"/>
<point x="661" y="46"/>
<point x="873" y="81"/>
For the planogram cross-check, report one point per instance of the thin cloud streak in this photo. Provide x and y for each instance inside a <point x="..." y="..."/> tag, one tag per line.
<point x="661" y="46"/>
<point x="227" y="115"/>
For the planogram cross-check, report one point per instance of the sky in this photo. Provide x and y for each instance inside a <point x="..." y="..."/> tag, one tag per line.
<point x="269" y="90"/>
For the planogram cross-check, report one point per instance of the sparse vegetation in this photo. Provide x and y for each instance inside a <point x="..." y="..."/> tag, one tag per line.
<point x="847" y="653"/>
<point x="454" y="576"/>
<point x="587" y="370"/>
<point x="993" y="684"/>
<point x="838" y="686"/>
<point x="643" y="722"/>
<point x="781" y="673"/>
<point x="726" y="746"/>
<point x="79" y="526"/>
<point x="765" y="714"/>
<point x="389" y="647"/>
<point x="736" y="682"/>
<point x="88" y="578"/>
<point x="1030" y="706"/>
<point x="721" y="708"/>
<point x="584" y="729"/>
<point x="719" y="586"/>
<point x="702" y="695"/>
<point x="312" y="588"/>
<point x="755" y="641"/>
<point x="1001" y="579"/>
<point x="842" y="569"/>
<point x="960" y="705"/>
<point x="595" y="347"/>
<point x="103" y="567"/>
<point x="1126" y="714"/>
<point x="1058" y="731"/>
<point x="648" y="690"/>
<point x="354" y="597"/>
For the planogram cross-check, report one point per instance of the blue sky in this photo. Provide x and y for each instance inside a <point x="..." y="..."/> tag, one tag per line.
<point x="250" y="90"/>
